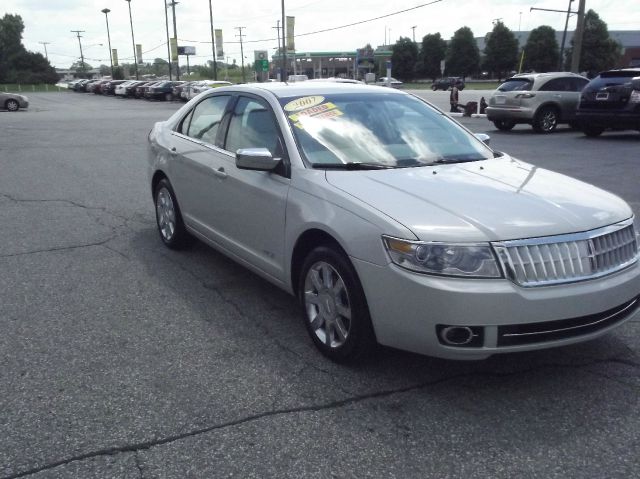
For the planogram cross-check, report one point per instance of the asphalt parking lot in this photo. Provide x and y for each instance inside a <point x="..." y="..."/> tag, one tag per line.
<point x="122" y="359"/>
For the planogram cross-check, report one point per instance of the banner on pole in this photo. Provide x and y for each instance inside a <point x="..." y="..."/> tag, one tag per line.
<point x="219" y="46"/>
<point x="114" y="55"/>
<point x="139" y="53"/>
<point x="291" y="21"/>
<point x="173" y="43"/>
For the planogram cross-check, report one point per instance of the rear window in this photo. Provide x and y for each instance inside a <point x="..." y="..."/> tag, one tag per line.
<point x="516" y="84"/>
<point x="614" y="78"/>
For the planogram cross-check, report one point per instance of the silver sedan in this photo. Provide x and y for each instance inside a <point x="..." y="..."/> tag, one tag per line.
<point x="391" y="223"/>
<point x="13" y="101"/>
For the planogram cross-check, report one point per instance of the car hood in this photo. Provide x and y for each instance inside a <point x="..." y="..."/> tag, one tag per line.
<point x="490" y="200"/>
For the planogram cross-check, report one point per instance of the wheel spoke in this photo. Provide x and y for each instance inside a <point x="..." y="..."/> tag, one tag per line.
<point x="338" y="287"/>
<point x="317" y="322"/>
<point x="328" y="330"/>
<point x="315" y="279"/>
<point x="343" y="310"/>
<point x="340" y="330"/>
<point x="311" y="297"/>
<point x="327" y="279"/>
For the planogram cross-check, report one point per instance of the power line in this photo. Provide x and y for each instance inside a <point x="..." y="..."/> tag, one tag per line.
<point x="334" y="28"/>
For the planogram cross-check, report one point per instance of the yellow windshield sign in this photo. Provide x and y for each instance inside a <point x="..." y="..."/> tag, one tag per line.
<point x="303" y="102"/>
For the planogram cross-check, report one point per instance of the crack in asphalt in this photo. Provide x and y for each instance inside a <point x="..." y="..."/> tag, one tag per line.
<point x="146" y="445"/>
<point x="59" y="248"/>
<point x="136" y="458"/>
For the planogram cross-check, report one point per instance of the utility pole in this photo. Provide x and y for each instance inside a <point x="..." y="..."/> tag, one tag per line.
<point x="175" y="35"/>
<point x="284" y="49"/>
<point x="213" y="44"/>
<point x="166" y="24"/>
<point x="577" y="39"/>
<point x="414" y="32"/>
<point x="46" y="55"/>
<point x="133" y="41"/>
<point x="277" y="27"/>
<point x="239" y="35"/>
<point x="106" y="16"/>
<point x="78" y="32"/>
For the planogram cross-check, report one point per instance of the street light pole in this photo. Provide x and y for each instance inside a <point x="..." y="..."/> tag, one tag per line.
<point x="283" y="70"/>
<point x="213" y="45"/>
<point x="133" y="40"/>
<point x="241" y="52"/>
<point x="106" y="16"/>
<point x="166" y="24"/>
<point x="277" y="27"/>
<point x="414" y="32"/>
<point x="175" y="35"/>
<point x="78" y="32"/>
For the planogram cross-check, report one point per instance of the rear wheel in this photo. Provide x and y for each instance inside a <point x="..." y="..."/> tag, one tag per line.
<point x="12" y="105"/>
<point x="168" y="217"/>
<point x="546" y="119"/>
<point x="335" y="309"/>
<point x="168" y="96"/>
<point x="592" y="131"/>
<point x="504" y="125"/>
<point x="434" y="88"/>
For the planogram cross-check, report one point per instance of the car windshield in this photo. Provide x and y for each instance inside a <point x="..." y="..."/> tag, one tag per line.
<point x="516" y="84"/>
<point x="377" y="130"/>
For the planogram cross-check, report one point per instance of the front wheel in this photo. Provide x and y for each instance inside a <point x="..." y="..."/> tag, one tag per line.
<point x="504" y="125"/>
<point x="592" y="131"/>
<point x="12" y="105"/>
<point x="336" y="314"/>
<point x="168" y="96"/>
<point x="546" y="120"/>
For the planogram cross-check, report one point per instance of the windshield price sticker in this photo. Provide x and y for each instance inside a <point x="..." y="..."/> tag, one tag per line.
<point x="313" y="111"/>
<point x="304" y="102"/>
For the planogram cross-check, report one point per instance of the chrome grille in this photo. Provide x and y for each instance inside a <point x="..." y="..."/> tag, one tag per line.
<point x="569" y="258"/>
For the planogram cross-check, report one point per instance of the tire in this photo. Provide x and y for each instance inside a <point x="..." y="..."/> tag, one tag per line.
<point x="12" y="105"/>
<point x="504" y="125"/>
<point x="546" y="119"/>
<point x="335" y="310"/>
<point x="168" y="96"/>
<point x="168" y="217"/>
<point x="434" y="88"/>
<point x="592" y="131"/>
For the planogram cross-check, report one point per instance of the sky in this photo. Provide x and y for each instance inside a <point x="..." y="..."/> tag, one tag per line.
<point x="52" y="21"/>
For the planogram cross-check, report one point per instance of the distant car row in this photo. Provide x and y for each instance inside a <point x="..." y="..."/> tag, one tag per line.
<point x="149" y="89"/>
<point x="544" y="100"/>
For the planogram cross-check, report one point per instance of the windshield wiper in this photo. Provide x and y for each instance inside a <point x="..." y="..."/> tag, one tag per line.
<point x="354" y="165"/>
<point x="441" y="161"/>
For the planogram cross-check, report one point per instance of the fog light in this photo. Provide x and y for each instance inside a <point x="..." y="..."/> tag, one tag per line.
<point x="460" y="336"/>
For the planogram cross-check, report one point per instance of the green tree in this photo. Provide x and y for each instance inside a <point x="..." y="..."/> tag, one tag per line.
<point x="17" y="65"/>
<point x="501" y="50"/>
<point x="431" y="54"/>
<point x="404" y="55"/>
<point x="463" y="56"/>
<point x="79" y="67"/>
<point x="541" y="51"/>
<point x="599" y="50"/>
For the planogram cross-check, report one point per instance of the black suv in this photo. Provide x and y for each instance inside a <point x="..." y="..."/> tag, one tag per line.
<point x="610" y="100"/>
<point x="446" y="83"/>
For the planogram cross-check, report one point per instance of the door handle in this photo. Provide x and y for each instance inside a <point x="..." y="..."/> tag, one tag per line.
<point x="220" y="173"/>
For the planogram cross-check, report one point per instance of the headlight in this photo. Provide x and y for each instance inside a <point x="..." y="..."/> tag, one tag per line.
<point x="450" y="259"/>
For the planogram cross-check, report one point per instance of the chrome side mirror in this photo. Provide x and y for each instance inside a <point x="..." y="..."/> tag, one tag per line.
<point x="483" y="137"/>
<point x="259" y="159"/>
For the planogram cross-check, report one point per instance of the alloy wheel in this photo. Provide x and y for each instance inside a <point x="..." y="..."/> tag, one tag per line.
<point x="327" y="305"/>
<point x="165" y="214"/>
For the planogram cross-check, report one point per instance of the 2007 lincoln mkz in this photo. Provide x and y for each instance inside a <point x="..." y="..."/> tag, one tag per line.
<point x="391" y="223"/>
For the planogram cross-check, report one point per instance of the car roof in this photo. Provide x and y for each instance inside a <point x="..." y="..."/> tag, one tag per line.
<point x="286" y="90"/>
<point x="548" y="75"/>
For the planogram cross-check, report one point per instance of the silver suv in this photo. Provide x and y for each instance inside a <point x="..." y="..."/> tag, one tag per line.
<point x="540" y="99"/>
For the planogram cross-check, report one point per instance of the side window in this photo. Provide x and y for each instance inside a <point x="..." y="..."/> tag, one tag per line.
<point x="557" y="84"/>
<point x="579" y="84"/>
<point x="184" y="124"/>
<point x="206" y="118"/>
<point x="253" y="125"/>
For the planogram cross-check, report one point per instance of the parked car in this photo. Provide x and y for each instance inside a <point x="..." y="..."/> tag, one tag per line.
<point x="179" y="89"/>
<point x="199" y="87"/>
<point x="79" y="86"/>
<point x="140" y="90"/>
<point x="121" y="89"/>
<point x="382" y="81"/>
<point x="610" y="100"/>
<point x="446" y="83"/>
<point x="392" y="223"/>
<point x="97" y="89"/>
<point x="542" y="100"/>
<point x="13" y="101"/>
<point x="89" y="86"/>
<point x="161" y="91"/>
<point x="109" y="88"/>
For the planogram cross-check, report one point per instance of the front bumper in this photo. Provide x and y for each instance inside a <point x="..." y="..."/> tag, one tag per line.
<point x="406" y="308"/>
